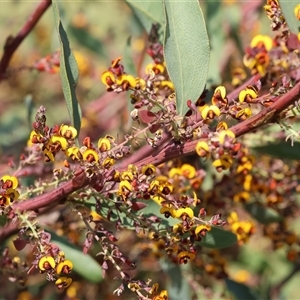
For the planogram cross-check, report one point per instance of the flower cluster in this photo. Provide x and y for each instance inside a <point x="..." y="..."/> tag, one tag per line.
<point x="55" y="267"/>
<point x="9" y="192"/>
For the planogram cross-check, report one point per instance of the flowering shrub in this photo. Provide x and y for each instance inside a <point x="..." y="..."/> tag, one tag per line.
<point x="173" y="186"/>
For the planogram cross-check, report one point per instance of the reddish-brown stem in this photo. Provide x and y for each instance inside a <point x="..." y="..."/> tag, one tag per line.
<point x="167" y="153"/>
<point x="12" y="43"/>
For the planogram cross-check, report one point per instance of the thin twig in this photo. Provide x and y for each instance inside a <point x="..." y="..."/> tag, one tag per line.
<point x="12" y="43"/>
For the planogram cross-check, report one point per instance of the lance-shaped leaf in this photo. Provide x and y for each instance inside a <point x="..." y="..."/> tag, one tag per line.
<point x="288" y="10"/>
<point x="68" y="71"/>
<point x="186" y="50"/>
<point x="147" y="12"/>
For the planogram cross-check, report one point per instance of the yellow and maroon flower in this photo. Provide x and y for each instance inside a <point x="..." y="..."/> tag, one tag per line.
<point x="90" y="155"/>
<point x="183" y="213"/>
<point x="46" y="263"/>
<point x="9" y="182"/>
<point x="184" y="257"/>
<point x="64" y="267"/>
<point x="188" y="171"/>
<point x="223" y="163"/>
<point x="104" y="144"/>
<point x="202" y="149"/>
<point x="63" y="282"/>
<point x="210" y="112"/>
<point x="68" y="132"/>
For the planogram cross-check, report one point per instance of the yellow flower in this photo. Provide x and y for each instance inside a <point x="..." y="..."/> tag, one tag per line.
<point x="184" y="212"/>
<point x="241" y="197"/>
<point x="262" y="39"/>
<point x="244" y="113"/>
<point x="219" y="97"/>
<point x="108" y="78"/>
<point x="225" y="133"/>
<point x="68" y="132"/>
<point x="108" y="162"/>
<point x="63" y="282"/>
<point x="223" y="163"/>
<point x="162" y="296"/>
<point x="104" y="144"/>
<point x="209" y="112"/>
<point x="64" y="267"/>
<point x="82" y="62"/>
<point x="74" y="153"/>
<point x="248" y="94"/>
<point x="9" y="182"/>
<point x="125" y="187"/>
<point x="175" y="172"/>
<point x="46" y="263"/>
<point x="221" y="126"/>
<point x="148" y="170"/>
<point x="184" y="257"/>
<point x="59" y="141"/>
<point x="90" y="155"/>
<point x="202" y="149"/>
<point x="202" y="229"/>
<point x="126" y="81"/>
<point x="297" y="11"/>
<point x="168" y="211"/>
<point x="188" y="171"/>
<point x="168" y="84"/>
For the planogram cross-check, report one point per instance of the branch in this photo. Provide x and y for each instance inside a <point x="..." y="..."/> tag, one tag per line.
<point x="12" y="43"/>
<point x="169" y="152"/>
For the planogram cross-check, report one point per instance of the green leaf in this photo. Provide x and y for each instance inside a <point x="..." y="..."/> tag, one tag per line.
<point x="86" y="39"/>
<point x="241" y="291"/>
<point x="186" y="50"/>
<point x="287" y="8"/>
<point x="218" y="238"/>
<point x="178" y="288"/>
<point x="83" y="264"/>
<point x="147" y="12"/>
<point x="68" y="71"/>
<point x="263" y="214"/>
<point x="3" y="220"/>
<point x="282" y="150"/>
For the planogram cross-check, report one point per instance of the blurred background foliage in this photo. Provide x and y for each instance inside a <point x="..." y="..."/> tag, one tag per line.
<point x="100" y="31"/>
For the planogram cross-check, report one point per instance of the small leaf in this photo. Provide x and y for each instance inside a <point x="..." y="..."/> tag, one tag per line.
<point x="287" y="8"/>
<point x="147" y="12"/>
<point x="241" y="291"/>
<point x="86" y="39"/>
<point x="178" y="287"/>
<point x="218" y="238"/>
<point x="282" y="150"/>
<point x="263" y="214"/>
<point x="3" y="220"/>
<point x="147" y="116"/>
<point x="68" y="71"/>
<point x="83" y="264"/>
<point x="186" y="50"/>
<point x="20" y="244"/>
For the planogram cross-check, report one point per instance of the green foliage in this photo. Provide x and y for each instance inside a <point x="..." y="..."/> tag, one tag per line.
<point x="84" y="265"/>
<point x="288" y="12"/>
<point x="68" y="71"/>
<point x="147" y="12"/>
<point x="282" y="150"/>
<point x="186" y="50"/>
<point x="241" y="291"/>
<point x="178" y="286"/>
<point x="264" y="215"/>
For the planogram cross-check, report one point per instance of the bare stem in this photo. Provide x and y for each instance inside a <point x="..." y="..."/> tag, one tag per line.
<point x="12" y="43"/>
